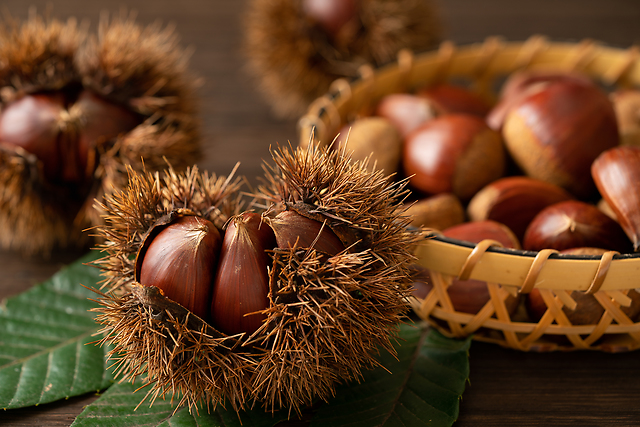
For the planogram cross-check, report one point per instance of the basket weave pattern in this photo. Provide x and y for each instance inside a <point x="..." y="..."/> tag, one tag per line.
<point x="608" y="278"/>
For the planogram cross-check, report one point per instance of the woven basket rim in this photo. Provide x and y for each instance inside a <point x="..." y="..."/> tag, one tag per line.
<point x="488" y="60"/>
<point x="610" y="278"/>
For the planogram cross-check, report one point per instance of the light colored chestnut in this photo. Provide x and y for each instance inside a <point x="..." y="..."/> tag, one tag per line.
<point x="181" y="260"/>
<point x="627" y="107"/>
<point x="554" y="134"/>
<point x="617" y="176"/>
<point x="374" y="137"/>
<point x="572" y="224"/>
<point x="454" y="153"/>
<point x="241" y="285"/>
<point x="514" y="201"/>
<point x="588" y="310"/>
<point x="438" y="212"/>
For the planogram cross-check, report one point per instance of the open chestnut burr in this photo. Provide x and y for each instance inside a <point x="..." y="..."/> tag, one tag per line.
<point x="76" y="110"/>
<point x="296" y="48"/>
<point x="303" y="288"/>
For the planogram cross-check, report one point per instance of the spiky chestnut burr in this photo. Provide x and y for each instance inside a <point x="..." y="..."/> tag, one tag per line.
<point x="77" y="109"/>
<point x="295" y="48"/>
<point x="327" y="314"/>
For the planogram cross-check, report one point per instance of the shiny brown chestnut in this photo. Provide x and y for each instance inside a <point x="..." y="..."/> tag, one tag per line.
<point x="588" y="310"/>
<point x="514" y="201"/>
<point x="524" y="83"/>
<point x="554" y="134"/>
<point x="616" y="173"/>
<point x="294" y="230"/>
<point x="180" y="258"/>
<point x="241" y="286"/>
<point x="454" y="153"/>
<point x="572" y="224"/>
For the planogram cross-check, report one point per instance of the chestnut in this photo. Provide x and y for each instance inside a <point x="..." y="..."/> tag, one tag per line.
<point x="469" y="296"/>
<point x="555" y="133"/>
<point x="295" y="230"/>
<point x="62" y="130"/>
<point x="32" y="123"/>
<point x="448" y="98"/>
<point x="441" y="211"/>
<point x="572" y="224"/>
<point x="514" y="201"/>
<point x="626" y="104"/>
<point x="180" y="258"/>
<point x="617" y="176"/>
<point x="330" y="15"/>
<point x="373" y="138"/>
<point x="454" y="153"/>
<point x="524" y="83"/>
<point x="241" y="286"/>
<point x="405" y="111"/>
<point x="588" y="310"/>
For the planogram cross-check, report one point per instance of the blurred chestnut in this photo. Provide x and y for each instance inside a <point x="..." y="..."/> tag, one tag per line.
<point x="572" y="224"/>
<point x="241" y="285"/>
<point x="555" y="133"/>
<point x="62" y="130"/>
<point x="617" y="176"/>
<point x="439" y="212"/>
<point x="588" y="310"/>
<point x="406" y="112"/>
<point x="180" y="259"/>
<point x="627" y="107"/>
<point x="448" y="98"/>
<point x="454" y="153"/>
<point x="32" y="123"/>
<point x="330" y="15"/>
<point x="376" y="137"/>
<point x="514" y="201"/>
<point x="469" y="296"/>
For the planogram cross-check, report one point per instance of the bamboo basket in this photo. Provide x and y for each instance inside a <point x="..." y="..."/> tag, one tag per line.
<point x="483" y="67"/>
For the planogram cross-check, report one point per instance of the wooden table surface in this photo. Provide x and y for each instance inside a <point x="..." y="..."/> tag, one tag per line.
<point x="506" y="388"/>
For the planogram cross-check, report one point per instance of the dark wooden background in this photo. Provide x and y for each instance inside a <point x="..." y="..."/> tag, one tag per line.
<point x="506" y="388"/>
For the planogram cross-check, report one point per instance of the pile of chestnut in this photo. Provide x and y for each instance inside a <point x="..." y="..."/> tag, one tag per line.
<point x="553" y="164"/>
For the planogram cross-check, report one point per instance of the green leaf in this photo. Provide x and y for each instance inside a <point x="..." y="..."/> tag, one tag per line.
<point x="117" y="408"/>
<point x="45" y="336"/>
<point x="421" y="388"/>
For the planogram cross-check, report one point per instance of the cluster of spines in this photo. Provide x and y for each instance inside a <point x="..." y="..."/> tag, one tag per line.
<point x="328" y="315"/>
